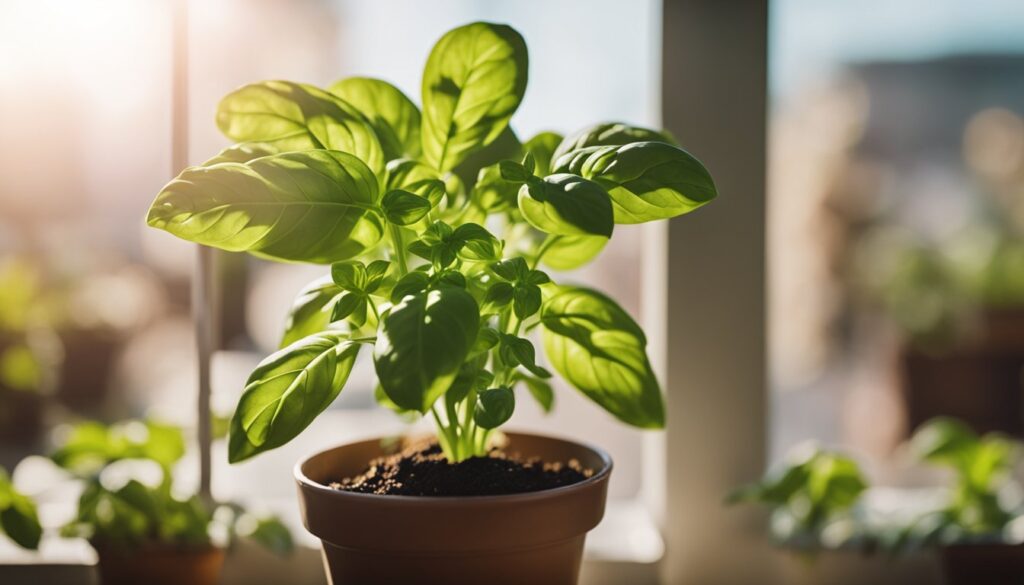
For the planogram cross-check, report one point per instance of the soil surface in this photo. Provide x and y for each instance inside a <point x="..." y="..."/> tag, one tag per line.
<point x="423" y="470"/>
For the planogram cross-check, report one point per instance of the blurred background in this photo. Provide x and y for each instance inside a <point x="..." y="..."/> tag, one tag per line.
<point x="895" y="217"/>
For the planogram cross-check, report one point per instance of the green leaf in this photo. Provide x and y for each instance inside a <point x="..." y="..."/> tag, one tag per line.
<point x="540" y="389"/>
<point x="422" y="343"/>
<point x="90" y="446"/>
<point x="349" y="275"/>
<point x="295" y="116"/>
<point x="311" y="310"/>
<point x="287" y="391"/>
<point x="526" y="299"/>
<point x="492" y="192"/>
<point x="608" y="134"/>
<point x="945" y="440"/>
<point x="514" y="172"/>
<point x="572" y="252"/>
<point x="517" y="351"/>
<point x="598" y="348"/>
<point x="351" y="306"/>
<point x="473" y="82"/>
<point x="646" y="180"/>
<point x="542" y="146"/>
<point x="18" y="517"/>
<point x="404" y="208"/>
<point x="242" y="153"/>
<point x="418" y="178"/>
<point x="394" y="117"/>
<point x="498" y="295"/>
<point x="410" y="284"/>
<point x="506" y="146"/>
<point x="567" y="205"/>
<point x="316" y="206"/>
<point x="494" y="407"/>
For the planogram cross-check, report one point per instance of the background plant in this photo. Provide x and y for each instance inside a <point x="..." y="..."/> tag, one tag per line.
<point x="436" y="225"/>
<point x="813" y="490"/>
<point x="18" y="517"/>
<point x="132" y="506"/>
<point x="982" y="470"/>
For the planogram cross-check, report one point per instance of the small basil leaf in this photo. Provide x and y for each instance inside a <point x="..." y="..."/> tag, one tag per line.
<point x="452" y="278"/>
<point x="494" y="407"/>
<point x="505" y="147"/>
<point x="393" y="116"/>
<point x="542" y="146"/>
<point x="492" y="193"/>
<point x="540" y="390"/>
<point x="608" y="134"/>
<point x="487" y="338"/>
<point x="350" y="304"/>
<point x="598" y="348"/>
<point x="422" y="343"/>
<point x="349" y="275"/>
<point x="376" y="271"/>
<point x="315" y="206"/>
<point x="473" y="82"/>
<point x="296" y="116"/>
<point x="421" y="249"/>
<point x="512" y="269"/>
<point x="483" y="380"/>
<point x="404" y="208"/>
<point x="646" y="180"/>
<point x="526" y="300"/>
<point x="311" y="311"/>
<point x="568" y="205"/>
<point x="498" y="295"/>
<point x="536" y="277"/>
<point x="287" y="391"/>
<point x="572" y="252"/>
<point x="410" y="284"/>
<point x="514" y="172"/>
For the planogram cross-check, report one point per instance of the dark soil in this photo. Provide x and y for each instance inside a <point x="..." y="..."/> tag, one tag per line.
<point x="423" y="471"/>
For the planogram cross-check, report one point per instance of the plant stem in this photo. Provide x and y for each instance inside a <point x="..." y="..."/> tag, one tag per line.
<point x="399" y="248"/>
<point x="444" y="436"/>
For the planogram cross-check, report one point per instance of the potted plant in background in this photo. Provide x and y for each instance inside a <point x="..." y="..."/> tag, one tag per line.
<point x="143" y="531"/>
<point x="401" y="205"/>
<point x="978" y="528"/>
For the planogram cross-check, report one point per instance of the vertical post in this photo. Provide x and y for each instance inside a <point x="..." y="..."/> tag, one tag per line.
<point x="714" y="85"/>
<point x="202" y="281"/>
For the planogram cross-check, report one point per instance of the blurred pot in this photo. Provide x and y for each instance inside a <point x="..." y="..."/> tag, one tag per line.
<point x="983" y="564"/>
<point x="531" y="538"/>
<point x="157" y="564"/>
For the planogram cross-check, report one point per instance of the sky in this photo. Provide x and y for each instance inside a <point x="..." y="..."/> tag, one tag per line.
<point x="809" y="37"/>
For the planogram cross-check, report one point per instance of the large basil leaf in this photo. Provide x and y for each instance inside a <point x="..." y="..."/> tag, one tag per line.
<point x="315" y="206"/>
<point x="505" y="147"/>
<point x="296" y="116"/>
<point x="422" y="343"/>
<point x="287" y="391"/>
<point x="18" y="518"/>
<point x="598" y="348"/>
<point x="543" y="146"/>
<point x="646" y="180"/>
<point x="473" y="82"/>
<point x="572" y="252"/>
<point x="567" y="205"/>
<point x="609" y="134"/>
<point x="394" y="117"/>
<point x="311" y="311"/>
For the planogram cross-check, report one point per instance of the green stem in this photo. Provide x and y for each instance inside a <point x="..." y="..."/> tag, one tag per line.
<point x="448" y="443"/>
<point x="399" y="248"/>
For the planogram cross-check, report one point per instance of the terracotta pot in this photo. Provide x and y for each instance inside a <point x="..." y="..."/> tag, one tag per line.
<point x="533" y="539"/>
<point x="983" y="564"/>
<point x="159" y="565"/>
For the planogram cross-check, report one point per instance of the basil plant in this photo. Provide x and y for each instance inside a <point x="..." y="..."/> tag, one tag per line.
<point x="437" y="224"/>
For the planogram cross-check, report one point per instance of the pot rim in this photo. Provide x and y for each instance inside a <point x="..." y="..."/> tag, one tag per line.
<point x="601" y="475"/>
